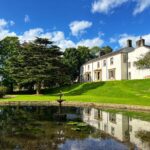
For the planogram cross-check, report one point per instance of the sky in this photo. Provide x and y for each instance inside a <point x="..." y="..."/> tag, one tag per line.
<point x="72" y="23"/>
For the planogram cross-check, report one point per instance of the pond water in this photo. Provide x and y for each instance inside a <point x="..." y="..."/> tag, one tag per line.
<point x="38" y="128"/>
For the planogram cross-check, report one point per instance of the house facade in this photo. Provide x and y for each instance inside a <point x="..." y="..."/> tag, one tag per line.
<point x="118" y="65"/>
<point x="119" y="126"/>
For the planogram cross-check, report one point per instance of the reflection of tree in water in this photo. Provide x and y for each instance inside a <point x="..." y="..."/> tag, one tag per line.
<point x="32" y="128"/>
<point x="144" y="136"/>
<point x="18" y="122"/>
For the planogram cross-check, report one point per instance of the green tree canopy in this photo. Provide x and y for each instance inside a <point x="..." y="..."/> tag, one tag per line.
<point x="96" y="51"/>
<point x="8" y="47"/>
<point x="144" y="61"/>
<point x="74" y="58"/>
<point x="71" y="60"/>
<point x="35" y="62"/>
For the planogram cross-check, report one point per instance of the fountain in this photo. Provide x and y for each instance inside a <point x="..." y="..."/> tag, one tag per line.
<point x="60" y="116"/>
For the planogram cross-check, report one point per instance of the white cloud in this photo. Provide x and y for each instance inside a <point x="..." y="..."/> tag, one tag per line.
<point x="141" y="6"/>
<point x="12" y="23"/>
<point x="4" y="31"/>
<point x="57" y="37"/>
<point x="91" y="42"/>
<point x="105" y="6"/>
<point x="31" y="34"/>
<point x="26" y="18"/>
<point x="112" y="40"/>
<point x="124" y="37"/>
<point x="63" y="44"/>
<point x="78" y="27"/>
<point x="3" y="23"/>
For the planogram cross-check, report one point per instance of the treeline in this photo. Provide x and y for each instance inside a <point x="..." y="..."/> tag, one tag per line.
<point x="41" y="63"/>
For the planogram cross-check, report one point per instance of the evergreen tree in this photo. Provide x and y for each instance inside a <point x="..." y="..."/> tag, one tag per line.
<point x="35" y="63"/>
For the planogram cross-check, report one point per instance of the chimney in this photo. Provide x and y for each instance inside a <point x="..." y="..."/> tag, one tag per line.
<point x="129" y="43"/>
<point x="140" y="42"/>
<point x="101" y="53"/>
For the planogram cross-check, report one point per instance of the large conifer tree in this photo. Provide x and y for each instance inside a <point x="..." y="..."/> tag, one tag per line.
<point x="35" y="62"/>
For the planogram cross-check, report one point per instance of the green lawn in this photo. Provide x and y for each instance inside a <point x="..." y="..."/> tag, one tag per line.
<point x="133" y="92"/>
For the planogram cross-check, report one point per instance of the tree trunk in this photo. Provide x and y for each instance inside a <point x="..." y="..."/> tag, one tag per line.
<point x="11" y="88"/>
<point x="38" y="88"/>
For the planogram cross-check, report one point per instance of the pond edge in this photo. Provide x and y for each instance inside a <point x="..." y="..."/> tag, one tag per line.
<point x="77" y="104"/>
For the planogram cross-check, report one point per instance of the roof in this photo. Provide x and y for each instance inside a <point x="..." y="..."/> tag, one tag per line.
<point x="122" y="50"/>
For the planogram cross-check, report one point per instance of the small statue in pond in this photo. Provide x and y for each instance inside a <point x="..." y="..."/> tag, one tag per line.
<point x="60" y="116"/>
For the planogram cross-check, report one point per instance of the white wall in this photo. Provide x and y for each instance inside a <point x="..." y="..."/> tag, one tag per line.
<point x="133" y="57"/>
<point x="117" y="65"/>
<point x="120" y="126"/>
<point x="121" y="68"/>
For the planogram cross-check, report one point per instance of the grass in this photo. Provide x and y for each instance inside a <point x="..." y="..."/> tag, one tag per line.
<point x="131" y="92"/>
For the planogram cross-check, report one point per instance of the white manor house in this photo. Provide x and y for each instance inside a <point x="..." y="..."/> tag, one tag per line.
<point x="117" y="65"/>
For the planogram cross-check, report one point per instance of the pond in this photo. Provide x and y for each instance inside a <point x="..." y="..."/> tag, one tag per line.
<point x="38" y="128"/>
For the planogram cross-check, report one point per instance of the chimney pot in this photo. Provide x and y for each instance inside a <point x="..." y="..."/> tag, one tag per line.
<point x="129" y="43"/>
<point x="140" y="43"/>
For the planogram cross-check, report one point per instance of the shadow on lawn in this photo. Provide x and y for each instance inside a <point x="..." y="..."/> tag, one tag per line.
<point x="85" y="88"/>
<point x="55" y="91"/>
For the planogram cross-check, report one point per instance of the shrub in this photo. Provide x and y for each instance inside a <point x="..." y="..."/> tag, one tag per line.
<point x="3" y="91"/>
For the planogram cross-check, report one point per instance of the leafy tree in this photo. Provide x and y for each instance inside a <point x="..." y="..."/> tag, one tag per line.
<point x="84" y="54"/>
<point x="35" y="63"/>
<point x="106" y="49"/>
<point x="74" y="58"/>
<point x="71" y="59"/>
<point x="8" y="47"/>
<point x="96" y="51"/>
<point x="144" y="61"/>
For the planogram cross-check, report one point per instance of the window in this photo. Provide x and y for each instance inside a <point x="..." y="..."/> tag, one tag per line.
<point x="112" y="117"/>
<point x="129" y="64"/>
<point x="88" y="67"/>
<point x="129" y="75"/>
<point x="98" y="76"/>
<point x="112" y="74"/>
<point x="88" y="77"/>
<point x="97" y="114"/>
<point x="112" y="130"/>
<point x="105" y="127"/>
<point x="87" y="111"/>
<point x="111" y="61"/>
<point x="104" y="63"/>
<point x="124" y="58"/>
<point x="98" y="64"/>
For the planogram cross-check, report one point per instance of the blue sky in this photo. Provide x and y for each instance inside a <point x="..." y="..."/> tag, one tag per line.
<point x="81" y="22"/>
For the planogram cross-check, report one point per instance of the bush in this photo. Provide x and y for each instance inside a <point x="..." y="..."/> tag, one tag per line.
<point x="3" y="91"/>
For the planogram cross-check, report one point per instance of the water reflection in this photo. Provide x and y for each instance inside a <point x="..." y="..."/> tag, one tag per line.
<point x="35" y="128"/>
<point x="121" y="127"/>
<point x="93" y="144"/>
